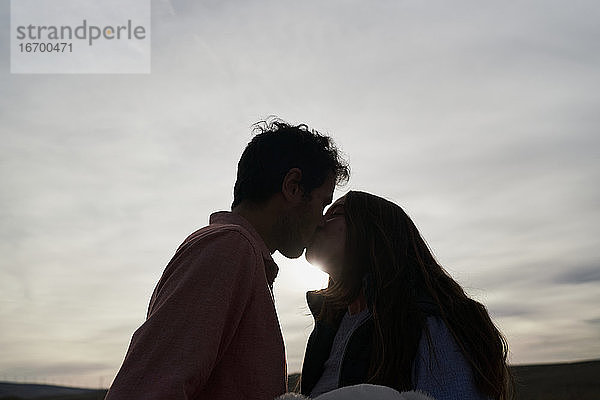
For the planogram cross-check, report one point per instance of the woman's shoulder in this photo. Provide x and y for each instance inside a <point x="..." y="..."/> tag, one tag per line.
<point x="440" y="368"/>
<point x="438" y="329"/>
<point x="437" y="344"/>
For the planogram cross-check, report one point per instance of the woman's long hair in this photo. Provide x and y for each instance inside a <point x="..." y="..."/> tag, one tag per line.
<point x="383" y="244"/>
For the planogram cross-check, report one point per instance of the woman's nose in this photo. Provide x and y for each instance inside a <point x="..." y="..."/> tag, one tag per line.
<point x="322" y="221"/>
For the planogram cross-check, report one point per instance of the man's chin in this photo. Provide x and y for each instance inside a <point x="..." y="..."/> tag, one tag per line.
<point x="292" y="253"/>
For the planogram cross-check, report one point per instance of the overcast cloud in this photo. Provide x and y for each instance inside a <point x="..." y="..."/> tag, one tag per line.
<point x="481" y="120"/>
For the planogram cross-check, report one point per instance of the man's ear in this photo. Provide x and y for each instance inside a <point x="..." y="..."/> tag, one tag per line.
<point x="290" y="188"/>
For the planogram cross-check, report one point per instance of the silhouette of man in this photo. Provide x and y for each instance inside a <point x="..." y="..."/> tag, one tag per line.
<point x="212" y="330"/>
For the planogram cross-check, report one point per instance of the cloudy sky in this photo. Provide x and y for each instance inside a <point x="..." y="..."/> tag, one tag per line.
<point x="480" y="119"/>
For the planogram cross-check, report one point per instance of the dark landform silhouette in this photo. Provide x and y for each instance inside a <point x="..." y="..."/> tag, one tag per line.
<point x="564" y="381"/>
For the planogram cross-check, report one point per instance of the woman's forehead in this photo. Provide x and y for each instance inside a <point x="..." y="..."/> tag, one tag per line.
<point x="337" y="205"/>
<point x="339" y="201"/>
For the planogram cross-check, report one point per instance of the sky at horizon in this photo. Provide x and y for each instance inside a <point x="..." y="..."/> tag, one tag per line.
<point x="480" y="120"/>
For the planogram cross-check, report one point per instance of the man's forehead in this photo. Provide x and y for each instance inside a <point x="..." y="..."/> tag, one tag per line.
<point x="329" y="196"/>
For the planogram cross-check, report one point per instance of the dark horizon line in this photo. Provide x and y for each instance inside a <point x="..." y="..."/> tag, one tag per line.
<point x="584" y="361"/>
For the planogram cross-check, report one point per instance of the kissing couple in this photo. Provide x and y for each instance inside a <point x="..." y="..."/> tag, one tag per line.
<point x="391" y="324"/>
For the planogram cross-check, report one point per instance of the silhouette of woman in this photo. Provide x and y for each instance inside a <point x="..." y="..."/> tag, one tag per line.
<point x="391" y="315"/>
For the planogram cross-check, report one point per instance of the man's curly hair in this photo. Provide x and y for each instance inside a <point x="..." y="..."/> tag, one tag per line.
<point x="279" y="147"/>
